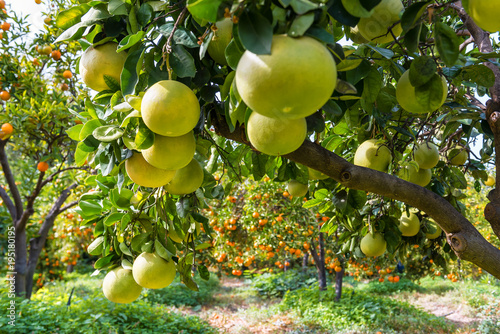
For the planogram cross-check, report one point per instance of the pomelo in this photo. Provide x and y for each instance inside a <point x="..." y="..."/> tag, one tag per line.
<point x="171" y="153"/>
<point x="373" y="154"/>
<point x="405" y="94"/>
<point x="186" y="179"/>
<point x="152" y="271"/>
<point x="119" y="286"/>
<point x="146" y="175"/>
<point x="373" y="244"/>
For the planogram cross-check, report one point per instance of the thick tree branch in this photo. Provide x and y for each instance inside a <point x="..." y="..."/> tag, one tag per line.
<point x="465" y="240"/>
<point x="8" y="202"/>
<point x="9" y="177"/>
<point x="68" y="206"/>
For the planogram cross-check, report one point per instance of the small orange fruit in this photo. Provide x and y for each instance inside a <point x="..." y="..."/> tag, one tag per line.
<point x="4" y="95"/>
<point x="67" y="74"/>
<point x="2" y="4"/>
<point x="7" y="128"/>
<point x="38" y="2"/>
<point x="255" y="214"/>
<point x="56" y="55"/>
<point x="5" y="26"/>
<point x="42" y="166"/>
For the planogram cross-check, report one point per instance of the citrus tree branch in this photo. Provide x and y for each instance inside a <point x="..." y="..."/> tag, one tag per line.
<point x="463" y="238"/>
<point x="9" y="177"/>
<point x="8" y="202"/>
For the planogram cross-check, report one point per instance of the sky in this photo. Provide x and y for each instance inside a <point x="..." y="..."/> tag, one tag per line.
<point x="29" y="7"/>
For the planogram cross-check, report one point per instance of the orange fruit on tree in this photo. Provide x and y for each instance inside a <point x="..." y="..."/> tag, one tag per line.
<point x="7" y="128"/>
<point x="2" y="4"/>
<point x="67" y="74"/>
<point x="56" y="55"/>
<point x="38" y="2"/>
<point x="255" y="214"/>
<point x="4" y="95"/>
<point x="5" y="26"/>
<point x="42" y="166"/>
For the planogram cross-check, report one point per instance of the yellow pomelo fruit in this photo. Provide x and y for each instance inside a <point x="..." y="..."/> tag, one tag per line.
<point x="276" y="136"/>
<point x="119" y="286"/>
<point x="294" y="81"/>
<point x="372" y="154"/>
<point x="490" y="182"/>
<point x="316" y="175"/>
<point x="186" y="179"/>
<point x="145" y="175"/>
<point x="152" y="271"/>
<point x="433" y="230"/>
<point x="409" y="225"/>
<point x="405" y="94"/>
<point x="99" y="61"/>
<point x="171" y="153"/>
<point x="375" y="28"/>
<point x="220" y="40"/>
<point x="170" y="108"/>
<point x="297" y="189"/>
<point x="485" y="13"/>
<point x="426" y="155"/>
<point x="458" y="156"/>
<point x="373" y="245"/>
<point x="422" y="177"/>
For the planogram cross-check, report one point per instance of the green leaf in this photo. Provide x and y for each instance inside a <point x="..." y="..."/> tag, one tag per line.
<point x="182" y="62"/>
<point x="256" y="32"/>
<point x="480" y="74"/>
<point x="356" y="198"/>
<point x="204" y="273"/>
<point x="117" y="7"/>
<point x="95" y="248"/>
<point x="89" y="127"/>
<point x="429" y="95"/>
<point x="68" y="18"/>
<point x="107" y="133"/>
<point x="162" y="251"/>
<point x="130" y="73"/>
<point x="422" y="69"/>
<point x="104" y="262"/>
<point x="144" y="138"/>
<point x="372" y="84"/>
<point x="302" y="6"/>
<point x="301" y="24"/>
<point x="121" y="199"/>
<point x="259" y="165"/>
<point x="90" y="207"/>
<point x="233" y="54"/>
<point x="412" y="38"/>
<point x="412" y="14"/>
<point x="339" y="13"/>
<point x="447" y="43"/>
<point x="204" y="9"/>
<point x="181" y="36"/>
<point x="144" y="14"/>
<point x="113" y="218"/>
<point x="386" y="53"/>
<point x="139" y="240"/>
<point x="130" y="41"/>
<point x="369" y="4"/>
<point x="74" y="132"/>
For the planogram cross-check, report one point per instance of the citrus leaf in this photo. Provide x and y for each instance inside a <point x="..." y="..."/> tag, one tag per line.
<point x="422" y="69"/>
<point x="339" y="13"/>
<point x="130" y="41"/>
<point x="74" y="132"/>
<point x="412" y="14"/>
<point x="113" y="218"/>
<point x="139" y="240"/>
<point x="204" y="9"/>
<point x="88" y="128"/>
<point x="117" y="7"/>
<point x="301" y="24"/>
<point x="95" y="248"/>
<point x="182" y="62"/>
<point x="104" y="261"/>
<point x="256" y="32"/>
<point x="68" y="18"/>
<point x="130" y="73"/>
<point x="90" y="207"/>
<point x="429" y="95"/>
<point x="107" y="133"/>
<point x="447" y="43"/>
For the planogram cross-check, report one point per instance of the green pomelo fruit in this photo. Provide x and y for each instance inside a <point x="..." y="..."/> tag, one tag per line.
<point x="433" y="230"/>
<point x="485" y="14"/>
<point x="152" y="271"/>
<point x="186" y="179"/>
<point x="276" y="136"/>
<point x="355" y="8"/>
<point x="422" y="177"/>
<point x="119" y="286"/>
<point x="426" y="155"/>
<point x="294" y="81"/>
<point x="99" y="61"/>
<point x="316" y="175"/>
<point x="375" y="28"/>
<point x="171" y="153"/>
<point x="409" y="225"/>
<point x="373" y="155"/>
<point x="405" y="94"/>
<point x="146" y="175"/>
<point x="297" y="189"/>
<point x="170" y="108"/>
<point x="220" y="40"/>
<point x="373" y="245"/>
<point x="458" y="156"/>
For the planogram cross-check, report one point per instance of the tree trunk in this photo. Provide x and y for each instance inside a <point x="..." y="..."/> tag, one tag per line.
<point x="305" y="259"/>
<point x="319" y="261"/>
<point x="70" y="268"/>
<point x="21" y="265"/>
<point x="339" y="277"/>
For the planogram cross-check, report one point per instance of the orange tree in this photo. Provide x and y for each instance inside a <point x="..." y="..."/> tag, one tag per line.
<point x="388" y="122"/>
<point x="35" y="152"/>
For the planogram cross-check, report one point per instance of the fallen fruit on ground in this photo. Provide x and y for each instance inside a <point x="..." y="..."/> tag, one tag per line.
<point x="152" y="271"/>
<point x="186" y="180"/>
<point x="170" y="108"/>
<point x="171" y="153"/>
<point x="294" y="81"/>
<point x="276" y="136"/>
<point x="373" y="244"/>
<point x="99" y="61"/>
<point x="144" y="174"/>
<point x="119" y="286"/>
<point x="373" y="154"/>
